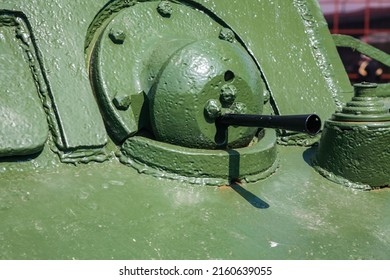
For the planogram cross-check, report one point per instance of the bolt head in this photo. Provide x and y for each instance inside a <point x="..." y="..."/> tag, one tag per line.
<point x="122" y="102"/>
<point x="212" y="109"/>
<point x="227" y="34"/>
<point x="165" y="8"/>
<point x="117" y="36"/>
<point x="228" y="94"/>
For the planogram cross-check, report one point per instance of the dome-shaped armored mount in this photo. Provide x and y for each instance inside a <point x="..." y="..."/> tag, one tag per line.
<point x="175" y="82"/>
<point x="161" y="74"/>
<point x="162" y="85"/>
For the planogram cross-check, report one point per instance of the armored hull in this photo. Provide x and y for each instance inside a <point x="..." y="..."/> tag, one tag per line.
<point x="111" y="146"/>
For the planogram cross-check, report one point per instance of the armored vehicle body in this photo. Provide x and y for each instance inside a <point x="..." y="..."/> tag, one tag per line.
<point x="187" y="129"/>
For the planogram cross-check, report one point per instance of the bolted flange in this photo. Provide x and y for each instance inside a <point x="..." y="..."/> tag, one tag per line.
<point x="128" y="57"/>
<point x="202" y="166"/>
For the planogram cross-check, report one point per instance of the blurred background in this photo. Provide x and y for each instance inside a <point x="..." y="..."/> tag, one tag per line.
<point x="367" y="20"/>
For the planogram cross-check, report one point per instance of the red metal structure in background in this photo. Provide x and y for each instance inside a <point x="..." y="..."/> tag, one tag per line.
<point x="367" y="20"/>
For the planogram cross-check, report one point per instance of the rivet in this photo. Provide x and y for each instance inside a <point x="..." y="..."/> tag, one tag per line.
<point x="228" y="94"/>
<point x="117" y="36"/>
<point x="212" y="109"/>
<point x="165" y="8"/>
<point x="227" y="34"/>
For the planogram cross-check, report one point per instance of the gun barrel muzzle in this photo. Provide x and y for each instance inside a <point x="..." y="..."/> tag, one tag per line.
<point x="310" y="123"/>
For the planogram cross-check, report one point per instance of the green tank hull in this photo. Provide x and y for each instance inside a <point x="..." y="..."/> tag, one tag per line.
<point x="108" y="211"/>
<point x="89" y="170"/>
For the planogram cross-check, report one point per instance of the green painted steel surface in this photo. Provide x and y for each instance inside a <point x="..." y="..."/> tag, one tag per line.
<point x="109" y="211"/>
<point x="354" y="147"/>
<point x="23" y="126"/>
<point x="51" y="210"/>
<point x="131" y="67"/>
<point x="200" y="166"/>
<point x="196" y="75"/>
<point x="296" y="53"/>
<point x="58" y="30"/>
<point x="291" y="36"/>
<point x="358" y="152"/>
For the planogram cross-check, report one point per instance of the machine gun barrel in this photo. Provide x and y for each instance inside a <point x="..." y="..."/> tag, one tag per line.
<point x="310" y="123"/>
